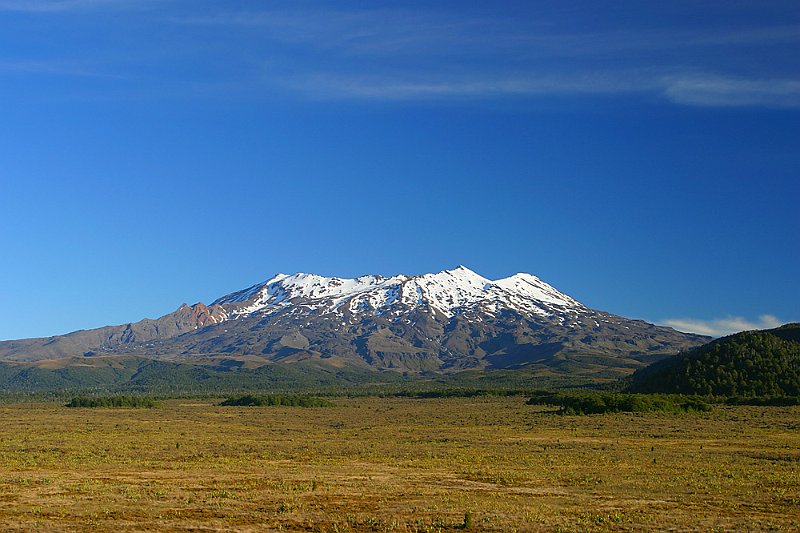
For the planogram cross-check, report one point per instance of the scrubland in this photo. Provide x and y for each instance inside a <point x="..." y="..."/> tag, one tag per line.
<point x="396" y="464"/>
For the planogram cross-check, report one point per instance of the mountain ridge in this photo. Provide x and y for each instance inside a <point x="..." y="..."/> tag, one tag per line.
<point x="447" y="321"/>
<point x="448" y="291"/>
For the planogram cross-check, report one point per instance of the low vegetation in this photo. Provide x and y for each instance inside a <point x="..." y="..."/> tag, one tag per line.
<point x="481" y="463"/>
<point x="113" y="401"/>
<point x="277" y="400"/>
<point x="456" y="393"/>
<point x="763" y="400"/>
<point x="111" y="375"/>
<point x="589" y="403"/>
<point x="428" y="454"/>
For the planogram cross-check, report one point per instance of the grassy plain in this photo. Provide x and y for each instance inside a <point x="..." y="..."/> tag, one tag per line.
<point x="396" y="464"/>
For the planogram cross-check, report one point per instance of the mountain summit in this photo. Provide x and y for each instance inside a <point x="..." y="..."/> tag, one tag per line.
<point x="448" y="321"/>
<point x="448" y="293"/>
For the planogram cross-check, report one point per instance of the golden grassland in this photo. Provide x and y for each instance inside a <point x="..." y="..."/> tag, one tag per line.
<point x="396" y="464"/>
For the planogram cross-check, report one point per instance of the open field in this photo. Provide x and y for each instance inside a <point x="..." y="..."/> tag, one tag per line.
<point x="396" y="464"/>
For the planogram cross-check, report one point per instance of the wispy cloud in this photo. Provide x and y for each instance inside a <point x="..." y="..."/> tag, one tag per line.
<point x="594" y="43"/>
<point x="685" y="89"/>
<point x="399" y="55"/>
<point x="55" y="68"/>
<point x="374" y="31"/>
<point x="719" y="91"/>
<point x="60" y="6"/>
<point x="720" y="327"/>
<point x="392" y="87"/>
<point x="388" y="31"/>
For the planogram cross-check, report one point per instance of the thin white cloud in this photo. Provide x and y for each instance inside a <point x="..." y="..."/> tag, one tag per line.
<point x="380" y="32"/>
<point x="683" y="89"/>
<point x="62" y="6"/>
<point x="405" y="55"/>
<point x="733" y="92"/>
<point x="332" y="86"/>
<point x="591" y="44"/>
<point x="720" y="327"/>
<point x="55" y="68"/>
<point x="391" y="31"/>
<point x="461" y="56"/>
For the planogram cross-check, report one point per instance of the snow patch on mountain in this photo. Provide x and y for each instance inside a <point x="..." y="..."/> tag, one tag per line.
<point x="533" y="289"/>
<point x="449" y="292"/>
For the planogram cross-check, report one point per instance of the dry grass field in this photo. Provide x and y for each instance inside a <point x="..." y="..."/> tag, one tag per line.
<point x="396" y="464"/>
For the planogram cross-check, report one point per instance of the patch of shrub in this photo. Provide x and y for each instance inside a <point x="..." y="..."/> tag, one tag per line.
<point x="454" y="393"/>
<point x="588" y="403"/>
<point x="764" y="400"/>
<point x="277" y="399"/>
<point x="112" y="401"/>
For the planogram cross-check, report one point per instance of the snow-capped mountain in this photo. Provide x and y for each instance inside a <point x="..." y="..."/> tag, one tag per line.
<point x="451" y="320"/>
<point x="449" y="293"/>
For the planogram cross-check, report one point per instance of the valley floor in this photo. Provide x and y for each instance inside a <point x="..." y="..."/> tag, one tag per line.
<point x="396" y="464"/>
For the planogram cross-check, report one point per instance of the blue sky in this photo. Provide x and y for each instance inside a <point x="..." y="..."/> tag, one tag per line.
<point x="640" y="156"/>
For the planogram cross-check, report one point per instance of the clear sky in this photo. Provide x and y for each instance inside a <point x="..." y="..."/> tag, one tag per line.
<point x="642" y="157"/>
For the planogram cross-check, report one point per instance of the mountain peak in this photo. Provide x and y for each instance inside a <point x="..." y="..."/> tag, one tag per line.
<point x="532" y="288"/>
<point x="461" y="274"/>
<point x="450" y="292"/>
<point x="460" y="268"/>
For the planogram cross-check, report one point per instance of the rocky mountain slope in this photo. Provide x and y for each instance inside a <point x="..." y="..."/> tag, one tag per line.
<point x="448" y="321"/>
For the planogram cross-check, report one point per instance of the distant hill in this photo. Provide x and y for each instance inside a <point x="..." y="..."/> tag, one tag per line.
<point x="751" y="363"/>
<point x="137" y="374"/>
<point x="120" y="374"/>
